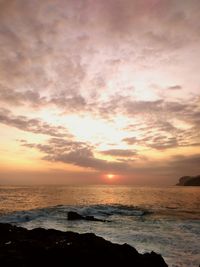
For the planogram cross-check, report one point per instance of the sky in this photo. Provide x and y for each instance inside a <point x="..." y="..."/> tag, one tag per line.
<point x="99" y="91"/>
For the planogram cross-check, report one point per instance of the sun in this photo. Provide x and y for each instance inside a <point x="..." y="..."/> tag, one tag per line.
<point x="110" y="176"/>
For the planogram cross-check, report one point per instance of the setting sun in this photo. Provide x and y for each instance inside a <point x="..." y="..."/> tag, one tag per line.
<point x="110" y="176"/>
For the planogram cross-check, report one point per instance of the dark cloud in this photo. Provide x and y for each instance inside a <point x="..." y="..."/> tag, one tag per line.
<point x="66" y="101"/>
<point x="156" y="107"/>
<point x="34" y="53"/>
<point x="140" y="107"/>
<point x="76" y="153"/>
<point x="69" y="103"/>
<point x="156" y="114"/>
<point x="130" y="140"/>
<point x="162" y="142"/>
<point x="161" y="135"/>
<point x="155" y="141"/>
<point x="31" y="125"/>
<point x="49" y="55"/>
<point x="175" y="87"/>
<point x="81" y="154"/>
<point x="130" y="107"/>
<point x="185" y="164"/>
<point x="12" y="97"/>
<point x="186" y="160"/>
<point x="119" y="152"/>
<point x="46" y="45"/>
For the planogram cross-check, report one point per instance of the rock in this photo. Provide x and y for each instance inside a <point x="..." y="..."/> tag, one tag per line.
<point x="189" y="181"/>
<point x="92" y="218"/>
<point x="20" y="247"/>
<point x="75" y="216"/>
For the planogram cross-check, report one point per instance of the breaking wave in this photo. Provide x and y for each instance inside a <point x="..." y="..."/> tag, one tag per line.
<point x="60" y="212"/>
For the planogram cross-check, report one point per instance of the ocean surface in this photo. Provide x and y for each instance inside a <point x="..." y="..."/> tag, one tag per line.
<point x="165" y="220"/>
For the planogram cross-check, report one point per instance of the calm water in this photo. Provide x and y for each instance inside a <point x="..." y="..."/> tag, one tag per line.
<point x="166" y="220"/>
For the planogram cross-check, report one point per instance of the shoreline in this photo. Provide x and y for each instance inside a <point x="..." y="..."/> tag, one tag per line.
<point x="40" y="247"/>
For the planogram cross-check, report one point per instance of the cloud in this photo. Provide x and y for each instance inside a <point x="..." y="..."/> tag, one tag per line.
<point x="130" y="107"/>
<point x="130" y="140"/>
<point x="70" y="103"/>
<point x="31" y="125"/>
<point x="155" y="141"/>
<point x="45" y="46"/>
<point x="162" y="142"/>
<point x="59" y="59"/>
<point x="76" y="153"/>
<point x="35" y="57"/>
<point x="183" y="159"/>
<point x="66" y="101"/>
<point x="139" y="107"/>
<point x="167" y="128"/>
<point x="175" y="87"/>
<point x="13" y="97"/>
<point x="119" y="152"/>
<point x="185" y="164"/>
<point x="82" y="154"/>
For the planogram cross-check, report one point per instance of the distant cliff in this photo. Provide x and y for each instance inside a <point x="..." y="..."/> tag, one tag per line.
<point x="189" y="181"/>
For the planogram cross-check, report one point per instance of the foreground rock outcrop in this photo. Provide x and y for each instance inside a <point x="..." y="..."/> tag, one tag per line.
<point x="40" y="247"/>
<point x="189" y="181"/>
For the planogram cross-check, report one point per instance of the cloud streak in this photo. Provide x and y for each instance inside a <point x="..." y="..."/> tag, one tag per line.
<point x="76" y="153"/>
<point x="119" y="153"/>
<point x="31" y="125"/>
<point x="80" y="154"/>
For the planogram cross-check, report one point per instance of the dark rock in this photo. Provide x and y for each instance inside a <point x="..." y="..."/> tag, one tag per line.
<point x="92" y="218"/>
<point x="75" y="216"/>
<point x="189" y="181"/>
<point x="40" y="247"/>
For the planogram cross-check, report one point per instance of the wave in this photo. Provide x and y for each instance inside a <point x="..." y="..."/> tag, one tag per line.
<point x="109" y="210"/>
<point x="61" y="211"/>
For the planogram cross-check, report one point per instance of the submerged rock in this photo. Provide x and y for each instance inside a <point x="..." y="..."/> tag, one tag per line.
<point x="72" y="216"/>
<point x="40" y="247"/>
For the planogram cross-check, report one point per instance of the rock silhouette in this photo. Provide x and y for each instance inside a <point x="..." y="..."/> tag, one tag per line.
<point x="20" y="247"/>
<point x="189" y="181"/>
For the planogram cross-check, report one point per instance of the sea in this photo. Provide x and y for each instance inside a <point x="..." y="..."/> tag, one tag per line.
<point x="161" y="219"/>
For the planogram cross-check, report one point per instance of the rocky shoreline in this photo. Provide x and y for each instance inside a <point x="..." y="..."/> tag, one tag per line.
<point x="40" y="247"/>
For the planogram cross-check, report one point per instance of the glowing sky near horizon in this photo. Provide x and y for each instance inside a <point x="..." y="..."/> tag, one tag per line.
<point x="93" y="88"/>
